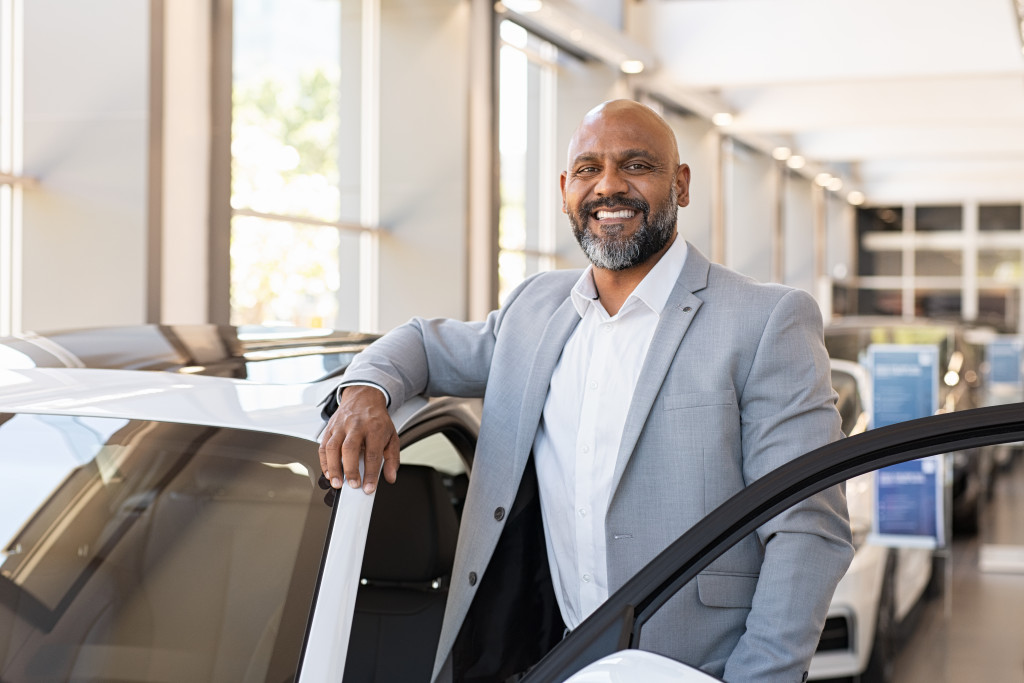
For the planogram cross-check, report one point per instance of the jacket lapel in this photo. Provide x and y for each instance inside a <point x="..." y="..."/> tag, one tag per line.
<point x="681" y="307"/>
<point x="552" y="341"/>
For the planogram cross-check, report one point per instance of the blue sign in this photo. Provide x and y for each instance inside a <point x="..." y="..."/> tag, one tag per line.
<point x="909" y="497"/>
<point x="1004" y="360"/>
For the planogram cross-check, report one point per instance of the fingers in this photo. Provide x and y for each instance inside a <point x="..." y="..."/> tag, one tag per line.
<point x="360" y="430"/>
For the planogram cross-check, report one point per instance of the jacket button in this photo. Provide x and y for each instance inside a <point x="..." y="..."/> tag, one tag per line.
<point x="472" y="578"/>
<point x="499" y="514"/>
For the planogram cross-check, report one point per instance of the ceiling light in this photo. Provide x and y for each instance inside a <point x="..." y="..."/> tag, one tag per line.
<point x="856" y="198"/>
<point x="796" y="161"/>
<point x="835" y="184"/>
<point x="822" y="179"/>
<point x="781" y="153"/>
<point x="722" y="118"/>
<point x="631" y="66"/>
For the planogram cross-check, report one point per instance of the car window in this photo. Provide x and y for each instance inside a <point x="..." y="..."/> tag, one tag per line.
<point x="149" y="551"/>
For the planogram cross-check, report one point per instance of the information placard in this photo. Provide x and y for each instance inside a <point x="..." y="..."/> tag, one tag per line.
<point x="1004" y="360"/>
<point x="909" y="497"/>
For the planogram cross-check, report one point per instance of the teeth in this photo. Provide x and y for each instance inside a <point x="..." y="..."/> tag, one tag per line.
<point x="625" y="213"/>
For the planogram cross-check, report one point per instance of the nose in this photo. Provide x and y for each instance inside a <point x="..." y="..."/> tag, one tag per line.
<point x="611" y="182"/>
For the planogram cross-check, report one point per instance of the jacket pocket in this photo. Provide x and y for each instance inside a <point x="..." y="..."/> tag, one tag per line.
<point x="726" y="590"/>
<point x="724" y="397"/>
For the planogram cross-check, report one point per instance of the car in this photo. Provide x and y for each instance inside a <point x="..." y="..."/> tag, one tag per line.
<point x="159" y="526"/>
<point x="174" y="527"/>
<point x="961" y="387"/>
<point x="883" y="584"/>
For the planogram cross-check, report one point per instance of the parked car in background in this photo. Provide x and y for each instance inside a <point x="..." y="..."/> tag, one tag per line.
<point x="883" y="584"/>
<point x="961" y="387"/>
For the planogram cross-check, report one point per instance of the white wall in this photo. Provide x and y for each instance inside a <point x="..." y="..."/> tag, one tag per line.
<point x="798" y="232"/>
<point x="186" y="162"/>
<point x="697" y="141"/>
<point x="85" y="141"/>
<point x="423" y="157"/>
<point x="750" y="211"/>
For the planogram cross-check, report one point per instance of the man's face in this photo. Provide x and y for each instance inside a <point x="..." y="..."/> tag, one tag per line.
<point x="623" y="185"/>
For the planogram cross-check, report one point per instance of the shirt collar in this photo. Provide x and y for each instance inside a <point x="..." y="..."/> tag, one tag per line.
<point x="653" y="290"/>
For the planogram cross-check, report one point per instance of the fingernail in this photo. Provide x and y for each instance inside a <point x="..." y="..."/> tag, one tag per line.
<point x="354" y="483"/>
<point x="336" y="483"/>
<point x="368" y="488"/>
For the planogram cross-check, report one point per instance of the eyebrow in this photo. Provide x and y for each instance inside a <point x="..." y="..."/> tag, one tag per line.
<point x="633" y="153"/>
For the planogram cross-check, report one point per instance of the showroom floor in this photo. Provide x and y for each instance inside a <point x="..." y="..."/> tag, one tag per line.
<point x="975" y="631"/>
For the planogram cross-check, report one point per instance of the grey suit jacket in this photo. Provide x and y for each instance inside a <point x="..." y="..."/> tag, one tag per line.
<point x="736" y="383"/>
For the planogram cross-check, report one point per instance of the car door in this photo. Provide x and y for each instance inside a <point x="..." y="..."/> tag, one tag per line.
<point x="602" y="643"/>
<point x="404" y="535"/>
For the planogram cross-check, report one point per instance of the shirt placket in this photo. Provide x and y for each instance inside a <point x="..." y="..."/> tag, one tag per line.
<point x="589" y="458"/>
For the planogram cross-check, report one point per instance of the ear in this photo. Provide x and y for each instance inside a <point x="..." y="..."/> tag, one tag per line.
<point x="683" y="185"/>
<point x="561" y="183"/>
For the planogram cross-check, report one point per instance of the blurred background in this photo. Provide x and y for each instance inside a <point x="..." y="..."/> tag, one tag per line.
<point x="188" y="175"/>
<point x="348" y="164"/>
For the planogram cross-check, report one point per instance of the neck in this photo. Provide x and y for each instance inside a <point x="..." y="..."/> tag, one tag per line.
<point x="615" y="286"/>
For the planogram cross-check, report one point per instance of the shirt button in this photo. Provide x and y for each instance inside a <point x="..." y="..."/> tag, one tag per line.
<point x="593" y="385"/>
<point x="472" y="578"/>
<point x="499" y="514"/>
<point x="583" y="512"/>
<point x="586" y="578"/>
<point x="586" y="448"/>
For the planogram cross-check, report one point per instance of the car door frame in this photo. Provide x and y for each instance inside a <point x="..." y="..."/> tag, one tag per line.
<point x="617" y="624"/>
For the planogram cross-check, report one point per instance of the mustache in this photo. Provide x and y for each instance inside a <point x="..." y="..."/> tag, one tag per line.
<point x="589" y="207"/>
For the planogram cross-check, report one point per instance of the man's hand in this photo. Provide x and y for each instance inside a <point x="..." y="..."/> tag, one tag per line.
<point x="360" y="427"/>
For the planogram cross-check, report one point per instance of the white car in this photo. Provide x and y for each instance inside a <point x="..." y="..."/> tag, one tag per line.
<point x="882" y="584"/>
<point x="168" y="527"/>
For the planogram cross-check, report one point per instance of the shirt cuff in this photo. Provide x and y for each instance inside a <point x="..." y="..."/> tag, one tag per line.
<point x="337" y="392"/>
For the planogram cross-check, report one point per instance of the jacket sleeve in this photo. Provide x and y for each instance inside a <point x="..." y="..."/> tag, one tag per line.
<point x="788" y="408"/>
<point x="435" y="357"/>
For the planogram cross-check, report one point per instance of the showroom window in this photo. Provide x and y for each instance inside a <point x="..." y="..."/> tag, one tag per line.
<point x="526" y="140"/>
<point x="952" y="261"/>
<point x="300" y="223"/>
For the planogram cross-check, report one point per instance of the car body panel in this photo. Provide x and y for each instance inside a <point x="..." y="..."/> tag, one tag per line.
<point x="634" y="666"/>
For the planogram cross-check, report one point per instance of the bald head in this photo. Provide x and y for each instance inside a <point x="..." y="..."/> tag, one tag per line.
<point x="629" y="116"/>
<point x="622" y="186"/>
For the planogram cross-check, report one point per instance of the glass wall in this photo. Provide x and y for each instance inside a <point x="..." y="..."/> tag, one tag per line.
<point x="955" y="261"/>
<point x="528" y="184"/>
<point x="293" y="220"/>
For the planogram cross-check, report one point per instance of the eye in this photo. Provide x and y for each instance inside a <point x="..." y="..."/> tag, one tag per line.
<point x="637" y="166"/>
<point x="584" y="170"/>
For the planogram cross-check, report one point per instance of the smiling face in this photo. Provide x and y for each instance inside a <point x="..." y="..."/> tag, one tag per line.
<point x="623" y="184"/>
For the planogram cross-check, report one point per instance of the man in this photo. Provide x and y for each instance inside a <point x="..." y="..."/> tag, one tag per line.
<point x="642" y="393"/>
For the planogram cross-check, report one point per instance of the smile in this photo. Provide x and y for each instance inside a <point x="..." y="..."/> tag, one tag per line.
<point x="624" y="213"/>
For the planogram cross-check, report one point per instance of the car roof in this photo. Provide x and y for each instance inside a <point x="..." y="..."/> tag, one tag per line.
<point x="282" y="354"/>
<point x="167" y="397"/>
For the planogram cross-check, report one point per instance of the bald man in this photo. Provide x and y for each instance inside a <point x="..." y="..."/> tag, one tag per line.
<point x="622" y="403"/>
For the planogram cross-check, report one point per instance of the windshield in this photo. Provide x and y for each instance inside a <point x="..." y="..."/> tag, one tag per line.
<point x="148" y="551"/>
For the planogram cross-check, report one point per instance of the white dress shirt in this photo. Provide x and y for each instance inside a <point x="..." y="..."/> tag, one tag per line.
<point x="584" y="415"/>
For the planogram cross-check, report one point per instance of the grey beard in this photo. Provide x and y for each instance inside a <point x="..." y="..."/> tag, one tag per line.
<point x="615" y="251"/>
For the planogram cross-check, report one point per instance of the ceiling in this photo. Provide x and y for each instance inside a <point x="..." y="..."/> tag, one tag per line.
<point x="909" y="100"/>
